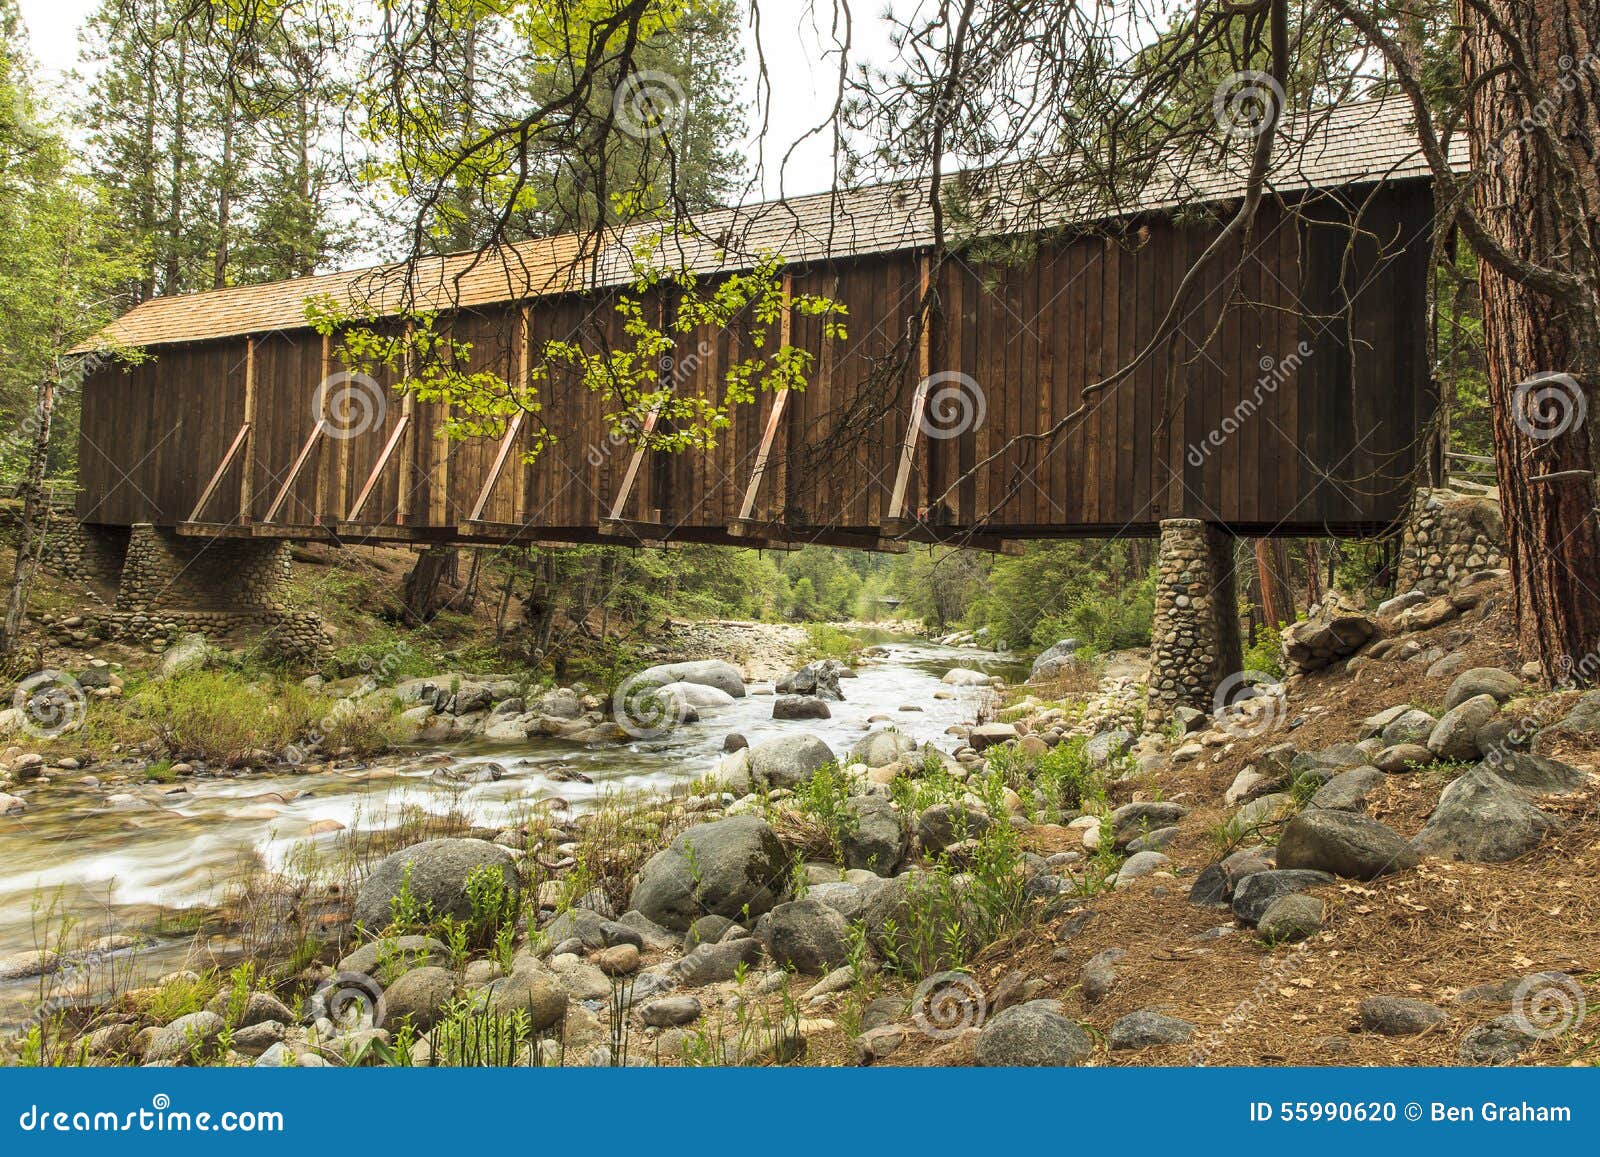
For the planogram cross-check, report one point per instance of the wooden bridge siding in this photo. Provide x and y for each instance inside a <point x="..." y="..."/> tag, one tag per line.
<point x="1032" y="336"/>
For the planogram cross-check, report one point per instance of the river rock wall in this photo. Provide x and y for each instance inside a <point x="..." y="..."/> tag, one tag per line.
<point x="1194" y="639"/>
<point x="1447" y="537"/>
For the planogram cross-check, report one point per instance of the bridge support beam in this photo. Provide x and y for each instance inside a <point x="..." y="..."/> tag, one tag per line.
<point x="1194" y="638"/>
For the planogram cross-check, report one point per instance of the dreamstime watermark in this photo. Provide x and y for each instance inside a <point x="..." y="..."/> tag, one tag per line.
<point x="351" y="1001"/>
<point x="954" y="404"/>
<point x="1549" y="1004"/>
<point x="1548" y="405"/>
<point x="1244" y="102"/>
<point x="1274" y="372"/>
<point x="947" y="1004"/>
<point x="382" y="670"/>
<point x="648" y="104"/>
<point x="52" y="703"/>
<point x="159" y="1117"/>
<point x="640" y="708"/>
<point x="351" y="403"/>
<point x="672" y="372"/>
<point x="1249" y="704"/>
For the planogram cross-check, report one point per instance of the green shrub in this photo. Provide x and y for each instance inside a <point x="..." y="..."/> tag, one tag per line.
<point x="217" y="717"/>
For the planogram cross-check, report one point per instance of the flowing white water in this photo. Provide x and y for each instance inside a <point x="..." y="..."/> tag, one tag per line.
<point x="113" y="857"/>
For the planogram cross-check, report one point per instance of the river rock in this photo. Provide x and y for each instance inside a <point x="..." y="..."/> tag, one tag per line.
<point x="1401" y="758"/>
<point x="1348" y="790"/>
<point x="1032" y="1034"/>
<point x="808" y="936"/>
<point x="875" y="836"/>
<point x="944" y="824"/>
<point x="883" y="747"/>
<point x="1496" y="1042"/>
<point x="787" y="761"/>
<point x="1147" y="1029"/>
<point x="1055" y="660"/>
<point x="1538" y="774"/>
<point x="1481" y="817"/>
<point x="1455" y="736"/>
<point x="1344" y="843"/>
<point x="987" y="735"/>
<point x="1108" y="745"/>
<point x="1491" y="681"/>
<point x="670" y="1011"/>
<point x="1399" y="1015"/>
<point x="1141" y="864"/>
<point x="715" y="963"/>
<point x="184" y="1037"/>
<point x="819" y="679"/>
<point x="1254" y="894"/>
<point x="536" y="991"/>
<point x="34" y="962"/>
<point x="799" y="707"/>
<point x="734" y="867"/>
<point x="437" y="879"/>
<point x="1290" y="918"/>
<point x="190" y="653"/>
<point x="709" y="672"/>
<point x="1132" y="820"/>
<point x="397" y="953"/>
<point x="1099" y="974"/>
<point x="1336" y="628"/>
<point x="697" y="695"/>
<point x="966" y="677"/>
<point x="419" y="996"/>
<point x="1411" y="726"/>
<point x="258" y="1007"/>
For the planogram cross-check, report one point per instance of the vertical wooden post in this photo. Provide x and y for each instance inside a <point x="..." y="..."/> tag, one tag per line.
<point x="408" y="448"/>
<point x="319" y="492"/>
<point x="247" y="475"/>
<point x="919" y="401"/>
<point x="519" y="488"/>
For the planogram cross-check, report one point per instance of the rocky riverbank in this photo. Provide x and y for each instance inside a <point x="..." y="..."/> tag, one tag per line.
<point x="1379" y="859"/>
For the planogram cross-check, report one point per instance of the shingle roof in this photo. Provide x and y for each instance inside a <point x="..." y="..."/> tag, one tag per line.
<point x="1356" y="143"/>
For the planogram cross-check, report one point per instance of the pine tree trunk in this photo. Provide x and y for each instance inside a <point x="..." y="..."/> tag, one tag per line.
<point x="1542" y="204"/>
<point x="35" y="515"/>
<point x="1272" y="570"/>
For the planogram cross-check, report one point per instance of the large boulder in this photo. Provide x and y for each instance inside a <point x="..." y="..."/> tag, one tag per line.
<point x="1033" y="1034"/>
<point x="434" y="874"/>
<point x="966" y="677"/>
<point x="874" y="838"/>
<point x="1455" y="736"/>
<point x="820" y="679"/>
<point x="1491" y="681"/>
<point x="1538" y="774"/>
<point x="1481" y="817"/>
<point x="1344" y="843"/>
<point x="808" y="936"/>
<point x="734" y="867"/>
<point x="987" y="735"/>
<point x="1336" y="628"/>
<point x="709" y="672"/>
<point x="1409" y="727"/>
<point x="787" y="761"/>
<point x="944" y="824"/>
<point x="1254" y="894"/>
<point x="696" y="695"/>
<point x="882" y="747"/>
<point x="420" y="996"/>
<point x="1057" y="659"/>
<point x="190" y="653"/>
<point x="800" y="707"/>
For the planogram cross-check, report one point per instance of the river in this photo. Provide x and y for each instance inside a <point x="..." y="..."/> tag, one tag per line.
<point x="119" y="866"/>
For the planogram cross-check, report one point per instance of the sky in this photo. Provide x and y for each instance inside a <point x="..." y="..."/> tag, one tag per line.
<point x="796" y="42"/>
